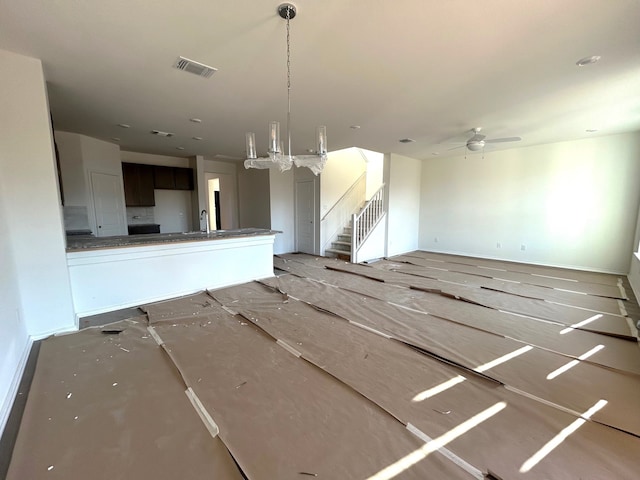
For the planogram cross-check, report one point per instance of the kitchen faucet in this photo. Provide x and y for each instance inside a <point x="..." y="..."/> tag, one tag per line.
<point x="204" y="215"/>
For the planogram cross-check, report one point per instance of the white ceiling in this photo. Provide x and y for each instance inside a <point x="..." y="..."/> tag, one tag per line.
<point x="429" y="70"/>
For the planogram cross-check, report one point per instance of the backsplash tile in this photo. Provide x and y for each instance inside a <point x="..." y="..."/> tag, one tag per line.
<point x="75" y="217"/>
<point x="139" y="215"/>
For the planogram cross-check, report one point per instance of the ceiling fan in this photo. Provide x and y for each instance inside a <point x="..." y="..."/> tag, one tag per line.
<point x="477" y="141"/>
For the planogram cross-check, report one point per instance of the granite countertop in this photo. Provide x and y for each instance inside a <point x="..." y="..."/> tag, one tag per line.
<point x="88" y="242"/>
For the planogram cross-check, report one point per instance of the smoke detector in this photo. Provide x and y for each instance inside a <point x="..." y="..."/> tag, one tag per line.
<point x="194" y="67"/>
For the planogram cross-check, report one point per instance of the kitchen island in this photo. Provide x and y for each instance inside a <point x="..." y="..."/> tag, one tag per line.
<point x="110" y="273"/>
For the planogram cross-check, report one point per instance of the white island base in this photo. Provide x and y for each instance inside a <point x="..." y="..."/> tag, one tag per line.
<point x="107" y="279"/>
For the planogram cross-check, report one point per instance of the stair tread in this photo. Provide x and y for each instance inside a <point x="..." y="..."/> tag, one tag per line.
<point x="337" y="250"/>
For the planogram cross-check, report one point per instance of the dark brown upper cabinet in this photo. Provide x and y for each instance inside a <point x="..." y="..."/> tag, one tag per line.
<point x="138" y="185"/>
<point x="164" y="177"/>
<point x="184" y="178"/>
<point x="173" y="178"/>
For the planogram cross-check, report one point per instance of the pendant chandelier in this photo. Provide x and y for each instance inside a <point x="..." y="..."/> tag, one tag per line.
<point x="277" y="157"/>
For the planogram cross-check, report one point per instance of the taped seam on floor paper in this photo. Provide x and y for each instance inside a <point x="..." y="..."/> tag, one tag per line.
<point x="542" y="400"/>
<point x="155" y="336"/>
<point x="623" y="310"/>
<point x="228" y="310"/>
<point x="623" y="292"/>
<point x="289" y="348"/>
<point x="586" y="309"/>
<point x="202" y="413"/>
<point x="632" y="327"/>
<point x="466" y="466"/>
<point x="369" y="329"/>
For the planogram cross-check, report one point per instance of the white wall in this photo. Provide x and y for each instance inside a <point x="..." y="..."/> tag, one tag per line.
<point x="14" y="341"/>
<point x="571" y="204"/>
<point x="72" y="169"/>
<point x="152" y="159"/>
<point x="375" y="171"/>
<point x="173" y="211"/>
<point x="402" y="176"/>
<point x="281" y="186"/>
<point x="253" y="194"/>
<point x="36" y="293"/>
<point x="342" y="169"/>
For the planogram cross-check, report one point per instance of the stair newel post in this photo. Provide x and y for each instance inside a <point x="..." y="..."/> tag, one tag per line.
<point x="354" y="248"/>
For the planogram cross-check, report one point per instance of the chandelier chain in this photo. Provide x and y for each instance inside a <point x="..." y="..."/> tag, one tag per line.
<point x="288" y="81"/>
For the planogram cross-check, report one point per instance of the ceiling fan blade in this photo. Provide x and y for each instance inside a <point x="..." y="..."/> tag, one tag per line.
<point x="502" y="140"/>
<point x="459" y="146"/>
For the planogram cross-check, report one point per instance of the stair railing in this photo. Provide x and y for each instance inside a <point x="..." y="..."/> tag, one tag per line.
<point x="363" y="223"/>
<point x="339" y="214"/>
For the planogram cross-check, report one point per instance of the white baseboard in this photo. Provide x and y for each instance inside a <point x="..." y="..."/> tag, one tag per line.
<point x="7" y="402"/>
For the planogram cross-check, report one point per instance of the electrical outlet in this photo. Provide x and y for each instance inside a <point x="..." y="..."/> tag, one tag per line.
<point x="435" y="240"/>
<point x="523" y="247"/>
<point x="498" y="245"/>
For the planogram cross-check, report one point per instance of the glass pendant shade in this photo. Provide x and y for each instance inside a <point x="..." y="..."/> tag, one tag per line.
<point x="251" y="145"/>
<point x="274" y="137"/>
<point x="322" y="140"/>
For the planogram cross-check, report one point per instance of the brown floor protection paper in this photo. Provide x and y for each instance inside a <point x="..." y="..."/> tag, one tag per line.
<point x="606" y="323"/>
<point x="393" y="375"/>
<point x="590" y="302"/>
<point x="545" y="271"/>
<point x="574" y="389"/>
<point x="341" y="371"/>
<point x="618" y="354"/>
<point x="611" y="291"/>
<point x="111" y="407"/>
<point x="281" y="417"/>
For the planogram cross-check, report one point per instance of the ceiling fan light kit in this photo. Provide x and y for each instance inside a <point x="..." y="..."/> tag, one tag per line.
<point x="478" y="141"/>
<point x="276" y="157"/>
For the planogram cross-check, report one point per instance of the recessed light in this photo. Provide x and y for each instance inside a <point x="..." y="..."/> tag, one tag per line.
<point x="588" y="60"/>
<point x="435" y="153"/>
<point x="124" y="125"/>
<point x="406" y="140"/>
<point x="179" y="148"/>
<point x="591" y="130"/>
<point x="115" y="139"/>
<point x="197" y="138"/>
<point x="355" y="127"/>
<point x="195" y="120"/>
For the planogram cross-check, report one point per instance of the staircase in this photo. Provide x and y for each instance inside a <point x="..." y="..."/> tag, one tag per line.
<point x="364" y="222"/>
<point x="341" y="247"/>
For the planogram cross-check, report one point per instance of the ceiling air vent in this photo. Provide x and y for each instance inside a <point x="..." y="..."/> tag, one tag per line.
<point x="194" y="67"/>
<point x="406" y="140"/>
<point x="161" y="133"/>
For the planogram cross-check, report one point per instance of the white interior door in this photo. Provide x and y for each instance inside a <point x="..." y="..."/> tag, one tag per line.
<point x="108" y="204"/>
<point x="305" y="216"/>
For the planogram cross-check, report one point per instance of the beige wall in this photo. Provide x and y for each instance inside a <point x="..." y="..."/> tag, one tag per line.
<point x="253" y="195"/>
<point x="402" y="176"/>
<point x="282" y="199"/>
<point x="571" y="204"/>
